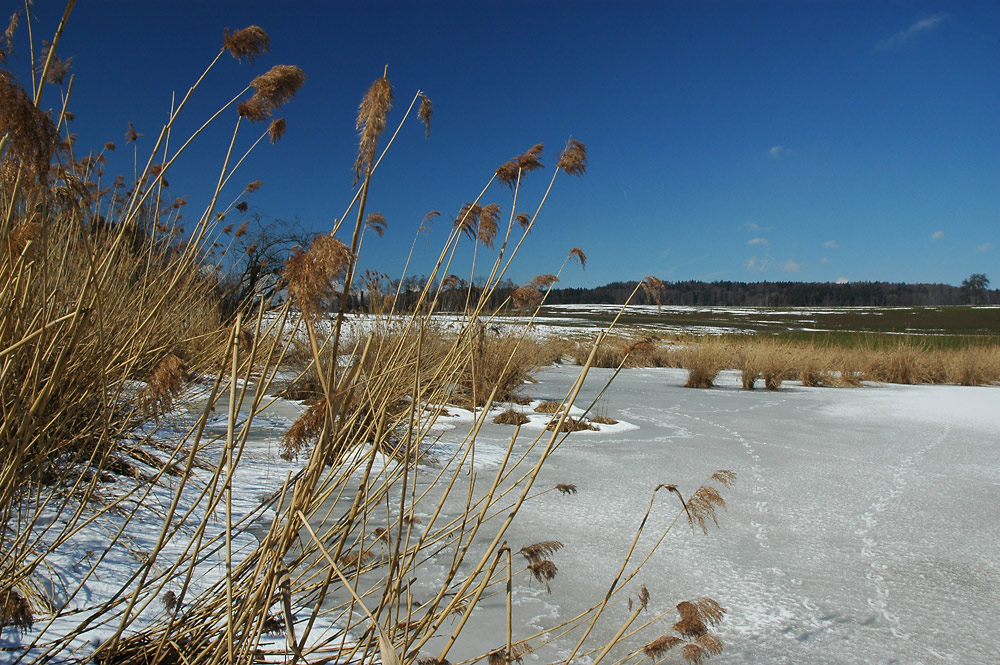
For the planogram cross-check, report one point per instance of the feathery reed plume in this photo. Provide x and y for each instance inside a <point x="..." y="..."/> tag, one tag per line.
<point x="310" y="273"/>
<point x="467" y="220"/>
<point x="276" y="129"/>
<point x="526" y="297"/>
<point x="58" y="68"/>
<point x="162" y="386"/>
<point x="566" y="488"/>
<point x="543" y="281"/>
<point x="32" y="137"/>
<point x="710" y="644"/>
<point x="661" y="646"/>
<point x="131" y="136"/>
<point x="273" y="88"/>
<point x="577" y="254"/>
<point x="376" y="222"/>
<point x="573" y="159"/>
<point x="523" y="220"/>
<point x="511" y="417"/>
<point x="279" y="84"/>
<point x="242" y="206"/>
<point x="253" y="186"/>
<point x="702" y="506"/>
<point x="424" y="114"/>
<point x="530" y="160"/>
<point x="489" y="219"/>
<point x="655" y="289"/>
<point x="540" y="551"/>
<point x="255" y="109"/>
<point x="544" y="571"/>
<point x="109" y="146"/>
<point x="169" y="600"/>
<point x="724" y="477"/>
<point x="355" y="559"/>
<point x="248" y="43"/>
<point x="431" y="216"/>
<point x="8" y="36"/>
<point x="507" y="173"/>
<point x="15" y="611"/>
<point x="370" y="124"/>
<point x="303" y="431"/>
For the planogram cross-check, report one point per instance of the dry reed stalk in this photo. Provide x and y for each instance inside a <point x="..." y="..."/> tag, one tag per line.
<point x="370" y="405"/>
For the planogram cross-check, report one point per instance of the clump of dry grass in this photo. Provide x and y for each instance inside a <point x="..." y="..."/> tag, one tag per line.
<point x="570" y="424"/>
<point x="703" y="363"/>
<point x="603" y="420"/>
<point x="548" y="407"/>
<point x="511" y="416"/>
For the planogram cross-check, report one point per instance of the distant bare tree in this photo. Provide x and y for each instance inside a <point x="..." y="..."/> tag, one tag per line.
<point x="257" y="253"/>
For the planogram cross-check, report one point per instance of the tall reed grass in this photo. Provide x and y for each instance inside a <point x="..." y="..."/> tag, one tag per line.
<point x="112" y="308"/>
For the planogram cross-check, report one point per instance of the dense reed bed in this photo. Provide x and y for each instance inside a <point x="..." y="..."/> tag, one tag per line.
<point x="771" y="360"/>
<point x="114" y="311"/>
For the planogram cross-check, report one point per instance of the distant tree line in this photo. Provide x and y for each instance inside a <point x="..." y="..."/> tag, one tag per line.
<point x="781" y="294"/>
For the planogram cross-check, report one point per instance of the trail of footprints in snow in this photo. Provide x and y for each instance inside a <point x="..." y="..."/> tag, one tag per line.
<point x="900" y="474"/>
<point x="760" y="485"/>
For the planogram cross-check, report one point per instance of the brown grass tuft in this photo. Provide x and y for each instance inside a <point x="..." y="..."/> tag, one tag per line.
<point x="15" y="611"/>
<point x="276" y="129"/>
<point x="304" y="431"/>
<point x="530" y="159"/>
<point x="702" y="506"/>
<point x="543" y="281"/>
<point x="547" y="407"/>
<point x="573" y="159"/>
<point x="489" y="220"/>
<point x="247" y="43"/>
<point x="661" y="646"/>
<point x="604" y="420"/>
<point x="511" y="417"/>
<point x="571" y="425"/>
<point x="370" y="124"/>
<point x="526" y="297"/>
<point x="424" y="114"/>
<point x="31" y="135"/>
<point x="163" y="384"/>
<point x="310" y="273"/>
<point x="540" y="551"/>
<point x="376" y="222"/>
<point x="544" y="571"/>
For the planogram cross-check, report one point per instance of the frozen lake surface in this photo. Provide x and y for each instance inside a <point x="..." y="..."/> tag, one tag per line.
<point x="863" y="527"/>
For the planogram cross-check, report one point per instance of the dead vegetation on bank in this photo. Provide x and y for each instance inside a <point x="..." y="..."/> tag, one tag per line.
<point x="114" y="302"/>
<point x="768" y="362"/>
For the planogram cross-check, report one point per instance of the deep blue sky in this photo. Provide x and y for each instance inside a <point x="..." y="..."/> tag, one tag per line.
<point x="728" y="140"/>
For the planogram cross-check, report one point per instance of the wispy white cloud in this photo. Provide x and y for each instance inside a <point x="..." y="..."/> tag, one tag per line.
<point x="937" y="235"/>
<point x="758" y="241"/>
<point x="842" y="280"/>
<point x="778" y="152"/>
<point x="756" y="264"/>
<point x="985" y="247"/>
<point x="831" y="244"/>
<point x="752" y="226"/>
<point x="791" y="266"/>
<point x="916" y="28"/>
<point x="824" y="260"/>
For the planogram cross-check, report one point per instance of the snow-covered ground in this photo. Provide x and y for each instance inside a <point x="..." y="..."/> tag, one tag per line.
<point x="863" y="527"/>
